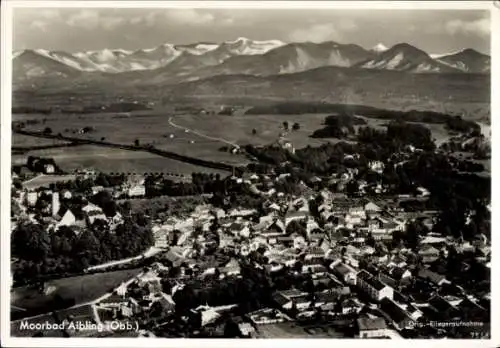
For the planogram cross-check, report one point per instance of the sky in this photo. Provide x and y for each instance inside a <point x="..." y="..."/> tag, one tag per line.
<point x="75" y="30"/>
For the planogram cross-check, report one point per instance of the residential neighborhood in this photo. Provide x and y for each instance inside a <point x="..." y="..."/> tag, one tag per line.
<point x="334" y="265"/>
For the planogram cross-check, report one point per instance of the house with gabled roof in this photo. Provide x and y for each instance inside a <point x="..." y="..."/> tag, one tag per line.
<point x="432" y="277"/>
<point x="371" y="207"/>
<point x="373" y="287"/>
<point x="399" y="317"/>
<point x="345" y="272"/>
<point x="68" y="219"/>
<point x="445" y="311"/>
<point x="371" y="327"/>
<point x="428" y="254"/>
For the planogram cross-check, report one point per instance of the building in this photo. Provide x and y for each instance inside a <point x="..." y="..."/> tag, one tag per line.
<point x="432" y="277"/>
<point x="68" y="219"/>
<point x="444" y="310"/>
<point x="398" y="316"/>
<point x="56" y="204"/>
<point x="371" y="207"/>
<point x="346" y="273"/>
<point x="49" y="168"/>
<point x="387" y="279"/>
<point x="428" y="254"/>
<point x="136" y="191"/>
<point x="96" y="215"/>
<point x="246" y="329"/>
<point x="289" y="298"/>
<point x="91" y="208"/>
<point x="31" y="198"/>
<point x="295" y="215"/>
<point x="267" y="316"/>
<point x="371" y="327"/>
<point x="400" y="273"/>
<point x="373" y="287"/>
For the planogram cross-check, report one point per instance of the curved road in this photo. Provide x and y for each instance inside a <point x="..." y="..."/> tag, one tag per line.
<point x="201" y="134"/>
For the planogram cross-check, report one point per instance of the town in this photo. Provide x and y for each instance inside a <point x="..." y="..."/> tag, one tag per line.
<point x="357" y="248"/>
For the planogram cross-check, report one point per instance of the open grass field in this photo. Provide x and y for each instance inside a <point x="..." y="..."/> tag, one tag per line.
<point x="109" y="160"/>
<point x="238" y="129"/>
<point x="153" y="128"/>
<point x="80" y="289"/>
<point x="21" y="140"/>
<point x="46" y="180"/>
<point x="198" y="136"/>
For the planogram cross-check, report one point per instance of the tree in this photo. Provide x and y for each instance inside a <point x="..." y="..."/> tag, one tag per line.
<point x="47" y="130"/>
<point x="296" y="126"/>
<point x="136" y="142"/>
<point x="414" y="230"/>
<point x="370" y="241"/>
<point x="254" y="131"/>
<point x="285" y="125"/>
<point x="231" y="329"/>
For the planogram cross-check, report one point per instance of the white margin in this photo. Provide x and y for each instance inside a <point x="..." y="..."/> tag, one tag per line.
<point x="5" y="157"/>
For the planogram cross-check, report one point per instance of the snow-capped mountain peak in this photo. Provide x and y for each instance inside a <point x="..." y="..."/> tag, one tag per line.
<point x="246" y="56"/>
<point x="405" y="57"/>
<point x="380" y="47"/>
<point x="244" y="46"/>
<point x="467" y="60"/>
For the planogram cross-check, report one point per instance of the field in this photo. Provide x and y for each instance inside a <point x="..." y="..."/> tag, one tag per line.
<point x="153" y="128"/>
<point x="80" y="289"/>
<point x="109" y="160"/>
<point x="20" y="140"/>
<point x="199" y="136"/>
<point x="46" y="180"/>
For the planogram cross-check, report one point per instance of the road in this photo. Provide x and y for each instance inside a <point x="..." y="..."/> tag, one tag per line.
<point x="201" y="134"/>
<point x="148" y="253"/>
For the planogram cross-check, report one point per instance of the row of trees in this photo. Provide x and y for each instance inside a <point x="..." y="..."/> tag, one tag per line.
<point x="71" y="249"/>
<point x="339" y="126"/>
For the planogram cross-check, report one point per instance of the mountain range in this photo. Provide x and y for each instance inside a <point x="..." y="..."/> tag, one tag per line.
<point x="168" y="63"/>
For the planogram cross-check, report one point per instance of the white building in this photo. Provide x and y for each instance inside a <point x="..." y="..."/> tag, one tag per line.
<point x="68" y="219"/>
<point x="56" y="204"/>
<point x="373" y="287"/>
<point x="31" y="198"/>
<point x="344" y="272"/>
<point x="136" y="191"/>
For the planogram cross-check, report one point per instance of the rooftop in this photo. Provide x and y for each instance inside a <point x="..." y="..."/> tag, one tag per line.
<point x="371" y="280"/>
<point x="371" y="324"/>
<point x="393" y="310"/>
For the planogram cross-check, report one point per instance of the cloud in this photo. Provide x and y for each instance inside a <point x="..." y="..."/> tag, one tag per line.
<point x="39" y="25"/>
<point x="478" y="27"/>
<point x="49" y="14"/>
<point x="315" y="33"/>
<point x="110" y="23"/>
<point x="190" y="16"/>
<point x="346" y="25"/>
<point x="324" y="32"/>
<point x="85" y="19"/>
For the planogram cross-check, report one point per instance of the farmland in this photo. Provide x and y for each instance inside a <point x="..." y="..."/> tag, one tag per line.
<point x="19" y="140"/>
<point x="151" y="129"/>
<point x="74" y="290"/>
<point x="109" y="160"/>
<point x="197" y="135"/>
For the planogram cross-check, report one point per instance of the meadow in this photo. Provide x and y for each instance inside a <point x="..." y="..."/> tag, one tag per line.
<point x="78" y="290"/>
<point x="109" y="160"/>
<point x="196" y="135"/>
